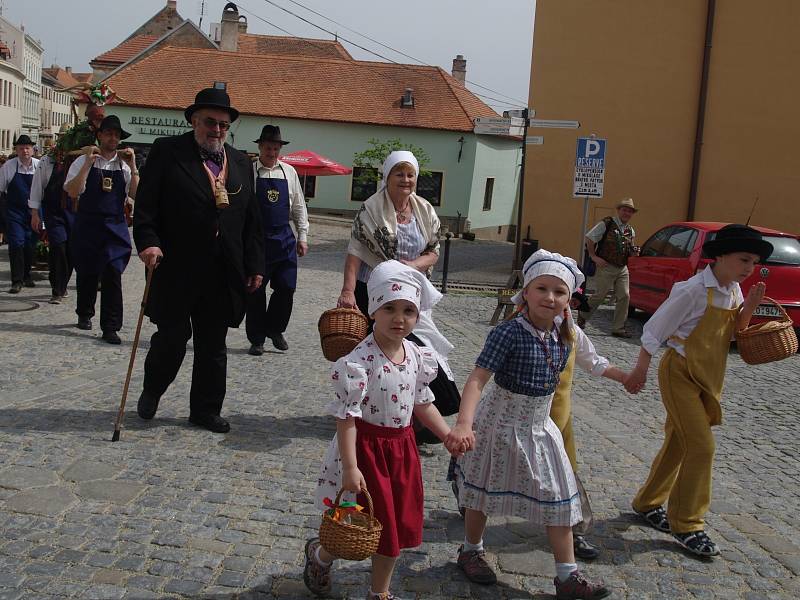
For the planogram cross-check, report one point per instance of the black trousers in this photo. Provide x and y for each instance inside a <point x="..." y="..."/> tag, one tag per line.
<point x="266" y="319"/>
<point x="60" y="267"/>
<point x="206" y="323"/>
<point x="20" y="260"/>
<point x="110" y="297"/>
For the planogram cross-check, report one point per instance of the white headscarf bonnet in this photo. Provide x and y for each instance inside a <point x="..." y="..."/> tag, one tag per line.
<point x="392" y="280"/>
<point x="398" y="156"/>
<point x="543" y="262"/>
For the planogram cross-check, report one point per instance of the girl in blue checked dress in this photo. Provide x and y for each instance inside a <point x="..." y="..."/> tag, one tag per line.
<point x="517" y="465"/>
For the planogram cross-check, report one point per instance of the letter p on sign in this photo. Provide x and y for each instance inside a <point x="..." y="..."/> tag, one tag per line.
<point x="592" y="148"/>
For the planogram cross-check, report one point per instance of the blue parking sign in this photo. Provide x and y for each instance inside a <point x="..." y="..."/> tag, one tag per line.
<point x="590" y="168"/>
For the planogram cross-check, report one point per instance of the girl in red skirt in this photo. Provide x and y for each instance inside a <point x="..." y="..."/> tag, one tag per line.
<point x="378" y="386"/>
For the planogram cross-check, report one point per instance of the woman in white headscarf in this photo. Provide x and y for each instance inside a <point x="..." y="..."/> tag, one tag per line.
<point x="397" y="224"/>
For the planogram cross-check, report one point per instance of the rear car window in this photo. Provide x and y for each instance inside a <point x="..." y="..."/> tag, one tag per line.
<point x="786" y="249"/>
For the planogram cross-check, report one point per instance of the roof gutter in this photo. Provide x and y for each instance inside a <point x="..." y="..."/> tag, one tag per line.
<point x="701" y="112"/>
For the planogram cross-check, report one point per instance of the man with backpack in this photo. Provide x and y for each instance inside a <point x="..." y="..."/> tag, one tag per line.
<point x="609" y="244"/>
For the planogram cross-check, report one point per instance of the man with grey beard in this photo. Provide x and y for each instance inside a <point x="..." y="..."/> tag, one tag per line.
<point x="197" y="224"/>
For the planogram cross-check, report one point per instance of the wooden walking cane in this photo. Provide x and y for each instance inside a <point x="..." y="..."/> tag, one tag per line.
<point x="121" y="413"/>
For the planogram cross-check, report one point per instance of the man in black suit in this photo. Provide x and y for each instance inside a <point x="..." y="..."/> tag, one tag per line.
<point x="198" y="225"/>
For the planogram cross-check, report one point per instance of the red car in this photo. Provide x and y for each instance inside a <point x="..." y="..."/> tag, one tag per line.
<point x="675" y="253"/>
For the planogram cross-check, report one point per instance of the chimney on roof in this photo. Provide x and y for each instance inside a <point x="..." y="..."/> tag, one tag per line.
<point x="407" y="101"/>
<point x="460" y="69"/>
<point x="68" y="70"/>
<point x="229" y="36"/>
<point x="242" y="24"/>
<point x="173" y="4"/>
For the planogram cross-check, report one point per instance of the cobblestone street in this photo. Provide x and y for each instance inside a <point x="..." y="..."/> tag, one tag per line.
<point x="173" y="510"/>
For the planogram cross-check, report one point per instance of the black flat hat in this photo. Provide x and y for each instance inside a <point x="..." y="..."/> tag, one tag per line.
<point x="271" y="133"/>
<point x="211" y="98"/>
<point x="112" y="122"/>
<point x="24" y="140"/>
<point x="738" y="238"/>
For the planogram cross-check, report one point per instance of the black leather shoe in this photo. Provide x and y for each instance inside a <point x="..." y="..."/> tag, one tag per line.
<point x="213" y="423"/>
<point x="256" y="349"/>
<point x="147" y="406"/>
<point x="85" y="324"/>
<point x="279" y="342"/>
<point x="29" y="282"/>
<point x="112" y="338"/>
<point x="15" y="288"/>
<point x="583" y="549"/>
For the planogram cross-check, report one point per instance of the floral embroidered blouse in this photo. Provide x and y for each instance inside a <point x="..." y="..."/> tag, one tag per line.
<point x="369" y="386"/>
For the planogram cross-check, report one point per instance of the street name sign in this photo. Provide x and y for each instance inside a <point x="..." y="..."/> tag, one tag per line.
<point x="590" y="168"/>
<point x="535" y="140"/>
<point x="555" y="124"/>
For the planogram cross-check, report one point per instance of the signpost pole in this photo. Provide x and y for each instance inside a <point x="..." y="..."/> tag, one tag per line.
<point x="521" y="199"/>
<point x="584" y="225"/>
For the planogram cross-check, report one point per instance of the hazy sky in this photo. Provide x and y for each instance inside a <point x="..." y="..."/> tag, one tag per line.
<point x="496" y="38"/>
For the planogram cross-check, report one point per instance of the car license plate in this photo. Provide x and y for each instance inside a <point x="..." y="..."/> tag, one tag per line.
<point x="768" y="310"/>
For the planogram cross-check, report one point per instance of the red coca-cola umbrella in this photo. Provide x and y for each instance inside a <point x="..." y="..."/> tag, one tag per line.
<point x="306" y="162"/>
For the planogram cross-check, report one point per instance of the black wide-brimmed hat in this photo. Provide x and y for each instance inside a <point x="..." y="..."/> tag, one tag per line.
<point x="271" y="133"/>
<point x="24" y="140"/>
<point x="211" y="98"/>
<point x="112" y="122"/>
<point x="738" y="238"/>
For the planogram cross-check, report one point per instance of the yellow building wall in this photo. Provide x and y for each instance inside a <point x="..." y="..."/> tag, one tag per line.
<point x="752" y="139"/>
<point x="629" y="71"/>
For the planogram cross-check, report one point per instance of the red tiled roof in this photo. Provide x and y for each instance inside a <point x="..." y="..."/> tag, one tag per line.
<point x="63" y="77"/>
<point x="125" y="51"/>
<point x="83" y="77"/>
<point x="303" y="88"/>
<point x="280" y="44"/>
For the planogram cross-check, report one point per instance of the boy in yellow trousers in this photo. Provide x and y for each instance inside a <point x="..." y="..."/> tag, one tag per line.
<point x="697" y="322"/>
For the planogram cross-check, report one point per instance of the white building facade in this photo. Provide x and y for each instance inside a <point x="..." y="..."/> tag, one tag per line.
<point x="25" y="53"/>
<point x="11" y="84"/>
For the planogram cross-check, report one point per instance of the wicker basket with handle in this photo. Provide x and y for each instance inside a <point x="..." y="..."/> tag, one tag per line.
<point x="356" y="540"/>
<point x="767" y="342"/>
<point x="341" y="330"/>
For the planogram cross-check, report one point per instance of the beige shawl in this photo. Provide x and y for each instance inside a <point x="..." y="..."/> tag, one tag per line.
<point x="373" y="238"/>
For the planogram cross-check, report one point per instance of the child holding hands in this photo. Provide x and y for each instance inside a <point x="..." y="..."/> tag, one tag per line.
<point x="697" y="322"/>
<point x="518" y="465"/>
<point x="378" y="387"/>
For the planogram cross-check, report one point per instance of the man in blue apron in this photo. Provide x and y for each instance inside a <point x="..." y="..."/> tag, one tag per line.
<point x="101" y="180"/>
<point x="16" y="177"/>
<point x="48" y="195"/>
<point x="283" y="209"/>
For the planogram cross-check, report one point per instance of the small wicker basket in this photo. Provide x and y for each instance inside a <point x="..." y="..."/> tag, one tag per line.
<point x="356" y="540"/>
<point x="767" y="342"/>
<point x="341" y="330"/>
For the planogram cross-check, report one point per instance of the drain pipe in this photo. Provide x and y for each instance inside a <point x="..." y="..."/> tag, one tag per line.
<point x="701" y="112"/>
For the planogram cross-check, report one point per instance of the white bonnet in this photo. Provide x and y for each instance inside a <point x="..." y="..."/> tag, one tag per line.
<point x="392" y="280"/>
<point x="543" y="262"/>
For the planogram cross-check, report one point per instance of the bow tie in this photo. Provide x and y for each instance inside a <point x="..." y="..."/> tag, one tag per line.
<point x="218" y="158"/>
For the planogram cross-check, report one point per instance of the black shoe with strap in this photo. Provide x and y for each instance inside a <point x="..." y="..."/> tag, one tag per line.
<point x="656" y="518"/>
<point x="697" y="542"/>
<point x="85" y="324"/>
<point x="584" y="549"/>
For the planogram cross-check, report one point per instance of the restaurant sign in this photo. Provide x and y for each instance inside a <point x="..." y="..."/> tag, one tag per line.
<point x="158" y="126"/>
